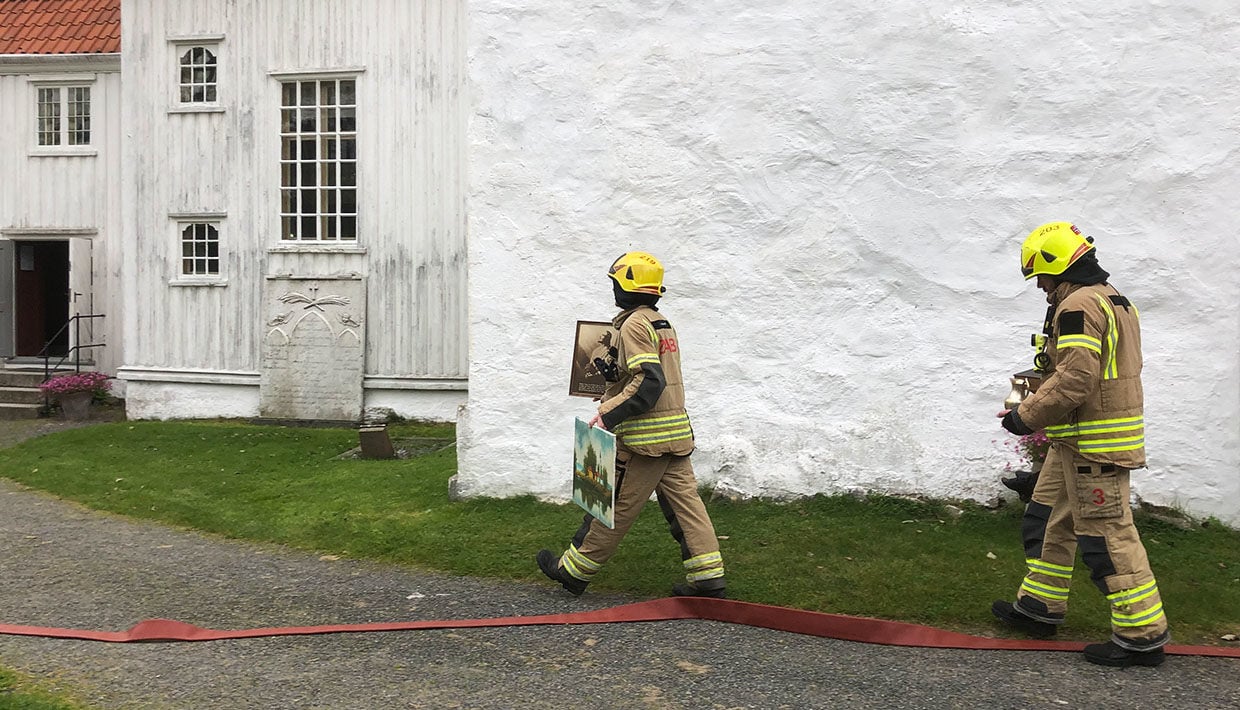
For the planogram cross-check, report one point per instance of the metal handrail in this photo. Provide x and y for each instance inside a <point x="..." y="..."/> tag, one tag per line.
<point x="76" y="321"/>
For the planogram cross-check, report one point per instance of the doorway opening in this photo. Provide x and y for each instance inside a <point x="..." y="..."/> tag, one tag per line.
<point x="41" y="297"/>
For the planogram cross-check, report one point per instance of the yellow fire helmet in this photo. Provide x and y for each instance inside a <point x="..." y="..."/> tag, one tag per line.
<point x="638" y="272"/>
<point x="1052" y="248"/>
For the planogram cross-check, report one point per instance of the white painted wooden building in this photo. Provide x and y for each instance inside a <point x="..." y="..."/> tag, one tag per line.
<point x="60" y="154"/>
<point x="294" y="208"/>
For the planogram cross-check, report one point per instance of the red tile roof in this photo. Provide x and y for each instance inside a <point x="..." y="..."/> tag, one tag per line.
<point x="60" y="26"/>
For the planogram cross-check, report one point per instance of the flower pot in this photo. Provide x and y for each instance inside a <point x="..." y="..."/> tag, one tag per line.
<point x="75" y="405"/>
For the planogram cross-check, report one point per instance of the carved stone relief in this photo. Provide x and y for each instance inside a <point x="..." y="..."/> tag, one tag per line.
<point x="313" y="348"/>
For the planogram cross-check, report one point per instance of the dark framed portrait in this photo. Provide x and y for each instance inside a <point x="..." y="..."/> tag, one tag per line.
<point x="594" y="339"/>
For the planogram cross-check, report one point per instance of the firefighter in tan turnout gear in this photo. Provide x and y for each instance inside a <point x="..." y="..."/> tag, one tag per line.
<point x="1090" y="404"/>
<point x="644" y="405"/>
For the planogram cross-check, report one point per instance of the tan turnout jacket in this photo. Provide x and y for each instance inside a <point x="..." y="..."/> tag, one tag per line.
<point x="1091" y="397"/>
<point x="646" y="407"/>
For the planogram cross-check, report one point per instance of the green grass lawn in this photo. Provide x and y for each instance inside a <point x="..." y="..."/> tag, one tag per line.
<point x="20" y="693"/>
<point x="883" y="557"/>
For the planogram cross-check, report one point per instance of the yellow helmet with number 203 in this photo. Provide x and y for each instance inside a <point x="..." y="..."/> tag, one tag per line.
<point x="1052" y="248"/>
<point x="638" y="272"/>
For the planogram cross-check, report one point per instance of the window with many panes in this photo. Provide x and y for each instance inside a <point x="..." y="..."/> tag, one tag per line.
<point x="63" y="115"/>
<point x="318" y="160"/>
<point x="198" y="80"/>
<point x="200" y="249"/>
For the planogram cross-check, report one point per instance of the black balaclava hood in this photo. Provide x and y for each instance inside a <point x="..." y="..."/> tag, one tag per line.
<point x="1085" y="271"/>
<point x="626" y="300"/>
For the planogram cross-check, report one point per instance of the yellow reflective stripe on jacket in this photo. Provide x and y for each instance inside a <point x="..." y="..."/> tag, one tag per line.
<point x="1109" y="370"/>
<point x="654" y="337"/>
<point x="642" y="358"/>
<point x="1079" y="341"/>
<point x="662" y="437"/>
<point x="1098" y="446"/>
<point x="655" y="430"/>
<point x="1096" y="426"/>
<point x="651" y="423"/>
<point x="1049" y="569"/>
<point x="1132" y="596"/>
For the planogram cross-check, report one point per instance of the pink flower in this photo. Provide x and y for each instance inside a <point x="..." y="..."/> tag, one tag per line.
<point x="95" y="382"/>
<point x="1031" y="447"/>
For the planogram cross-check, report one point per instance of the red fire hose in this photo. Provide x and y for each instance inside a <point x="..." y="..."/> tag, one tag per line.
<point x="836" y="626"/>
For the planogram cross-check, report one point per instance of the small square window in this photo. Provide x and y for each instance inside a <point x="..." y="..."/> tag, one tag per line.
<point x="198" y="75"/>
<point x="200" y="250"/>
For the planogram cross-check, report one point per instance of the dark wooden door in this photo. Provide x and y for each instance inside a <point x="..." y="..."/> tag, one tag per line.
<point x="41" y="291"/>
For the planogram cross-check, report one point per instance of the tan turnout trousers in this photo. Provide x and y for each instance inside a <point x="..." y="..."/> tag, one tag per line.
<point x="1081" y="503"/>
<point x="672" y="478"/>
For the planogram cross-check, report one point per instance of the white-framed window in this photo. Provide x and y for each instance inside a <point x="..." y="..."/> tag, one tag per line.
<point x="318" y="160"/>
<point x="198" y="74"/>
<point x="62" y="116"/>
<point x="200" y="249"/>
<point x="198" y="252"/>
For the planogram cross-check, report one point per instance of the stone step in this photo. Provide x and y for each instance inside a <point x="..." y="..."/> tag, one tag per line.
<point x="25" y="378"/>
<point x="19" y="411"/>
<point x="21" y="395"/>
<point x="20" y="378"/>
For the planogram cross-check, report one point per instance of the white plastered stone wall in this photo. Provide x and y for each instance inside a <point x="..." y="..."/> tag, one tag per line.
<point x="839" y="191"/>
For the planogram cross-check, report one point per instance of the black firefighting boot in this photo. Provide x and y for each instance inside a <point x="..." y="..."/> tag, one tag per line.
<point x="1112" y="654"/>
<point x="1023" y="483"/>
<point x="705" y="588"/>
<point x="1006" y="612"/>
<point x="550" y="566"/>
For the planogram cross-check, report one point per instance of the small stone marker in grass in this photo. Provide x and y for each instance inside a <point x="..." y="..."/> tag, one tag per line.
<point x="376" y="444"/>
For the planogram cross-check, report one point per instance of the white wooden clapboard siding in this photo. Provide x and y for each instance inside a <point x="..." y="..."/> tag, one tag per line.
<point x="409" y="58"/>
<point x="78" y="196"/>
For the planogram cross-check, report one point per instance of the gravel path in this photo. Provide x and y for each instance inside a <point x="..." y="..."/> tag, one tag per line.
<point x="63" y="565"/>
<point x="15" y="431"/>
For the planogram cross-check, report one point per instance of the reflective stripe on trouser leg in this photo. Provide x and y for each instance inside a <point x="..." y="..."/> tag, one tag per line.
<point x="704" y="567"/>
<point x="1050" y="546"/>
<point x="1111" y="547"/>
<point x="1047" y="582"/>
<point x="700" y="547"/>
<point x="578" y="565"/>
<point x="1138" y="619"/>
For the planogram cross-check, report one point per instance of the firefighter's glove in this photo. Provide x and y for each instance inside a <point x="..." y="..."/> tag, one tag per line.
<point x="1013" y="423"/>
